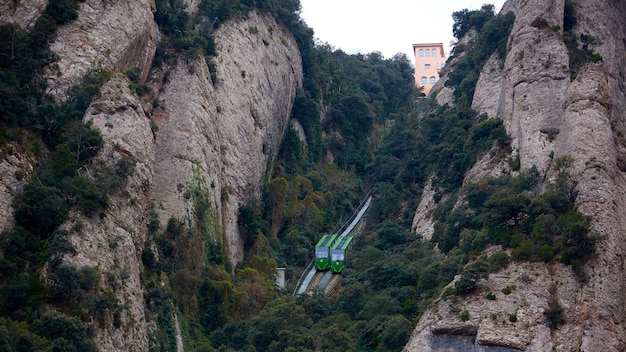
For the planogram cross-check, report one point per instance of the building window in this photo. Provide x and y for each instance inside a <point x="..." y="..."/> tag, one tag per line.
<point x="433" y="79"/>
<point x="427" y="52"/>
<point x="442" y="65"/>
<point x="433" y="52"/>
<point x="424" y="80"/>
<point x="427" y="66"/>
<point x="421" y="52"/>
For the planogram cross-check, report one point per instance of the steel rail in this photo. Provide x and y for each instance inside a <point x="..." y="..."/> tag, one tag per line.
<point x="305" y="279"/>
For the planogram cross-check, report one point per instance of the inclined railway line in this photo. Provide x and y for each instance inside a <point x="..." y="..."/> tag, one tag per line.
<point x="317" y="277"/>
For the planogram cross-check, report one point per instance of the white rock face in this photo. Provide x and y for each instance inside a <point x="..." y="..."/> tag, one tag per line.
<point x="225" y="132"/>
<point x="114" y="242"/>
<point x="489" y="323"/>
<point x="444" y="95"/>
<point x="228" y="131"/>
<point x="423" y="224"/>
<point x="16" y="165"/>
<point x="489" y="165"/>
<point x="114" y="34"/>
<point x="548" y="116"/>
<point x="22" y="12"/>
<point x="489" y="88"/>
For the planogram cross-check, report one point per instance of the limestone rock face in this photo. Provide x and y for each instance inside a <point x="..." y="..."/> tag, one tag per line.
<point x="489" y="88"/>
<point x="227" y="131"/>
<point x="114" y="34"/>
<point x="16" y="165"/>
<point x="256" y="105"/>
<point x="22" y="12"/>
<point x="114" y="240"/>
<point x="507" y="321"/>
<point x="224" y="130"/>
<point x="549" y="113"/>
<point x="423" y="224"/>
<point x="443" y="94"/>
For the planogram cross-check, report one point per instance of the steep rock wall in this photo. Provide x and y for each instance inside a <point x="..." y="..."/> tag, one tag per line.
<point x="22" y="12"/>
<point x="113" y="241"/>
<point x="229" y="130"/>
<point x="548" y="115"/>
<point x="225" y="131"/>
<point x="16" y="164"/>
<point x="114" y="34"/>
<point x="423" y="224"/>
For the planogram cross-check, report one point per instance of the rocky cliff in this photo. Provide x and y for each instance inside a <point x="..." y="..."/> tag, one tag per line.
<point x="228" y="130"/>
<point x="550" y="113"/>
<point x="222" y="133"/>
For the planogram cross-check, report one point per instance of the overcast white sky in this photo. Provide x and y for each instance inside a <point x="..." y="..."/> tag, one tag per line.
<point x="388" y="26"/>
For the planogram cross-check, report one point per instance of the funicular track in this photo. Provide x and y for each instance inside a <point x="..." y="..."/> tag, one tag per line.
<point x="333" y="285"/>
<point x="312" y="281"/>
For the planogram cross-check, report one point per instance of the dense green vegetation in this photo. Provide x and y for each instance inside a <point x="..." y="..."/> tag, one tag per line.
<point x="376" y="136"/>
<point x="440" y="140"/>
<point x="466" y="20"/>
<point x="55" y="133"/>
<point x="493" y="33"/>
<point x="361" y="93"/>
<point x="392" y="275"/>
<point x="191" y="36"/>
<point x="516" y="213"/>
<point x="202" y="290"/>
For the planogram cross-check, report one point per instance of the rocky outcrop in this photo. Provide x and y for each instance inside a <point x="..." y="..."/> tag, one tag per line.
<point x="227" y="131"/>
<point x="116" y="35"/>
<point x="113" y="241"/>
<point x="16" y="165"/>
<point x="506" y="315"/>
<point x="489" y="88"/>
<point x="423" y="224"/>
<point x="443" y="94"/>
<point x="531" y="104"/>
<point x="22" y="12"/>
<point x="550" y="113"/>
<point x="223" y="129"/>
<point x="224" y="133"/>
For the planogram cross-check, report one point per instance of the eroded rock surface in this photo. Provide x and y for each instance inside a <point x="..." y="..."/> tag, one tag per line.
<point x="114" y="240"/>
<point x="22" y="12"/>
<point x="16" y="165"/>
<point x="224" y="130"/>
<point x="423" y="224"/>
<point x="550" y="113"/>
<point x="116" y="35"/>
<point x="227" y="131"/>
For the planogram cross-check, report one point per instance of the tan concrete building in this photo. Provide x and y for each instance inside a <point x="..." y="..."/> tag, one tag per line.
<point x="429" y="59"/>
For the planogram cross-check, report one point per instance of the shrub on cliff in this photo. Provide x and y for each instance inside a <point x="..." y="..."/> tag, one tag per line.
<point x="493" y="33"/>
<point x="554" y="313"/>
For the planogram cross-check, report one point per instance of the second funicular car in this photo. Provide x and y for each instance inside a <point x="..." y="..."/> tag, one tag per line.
<point x="338" y="254"/>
